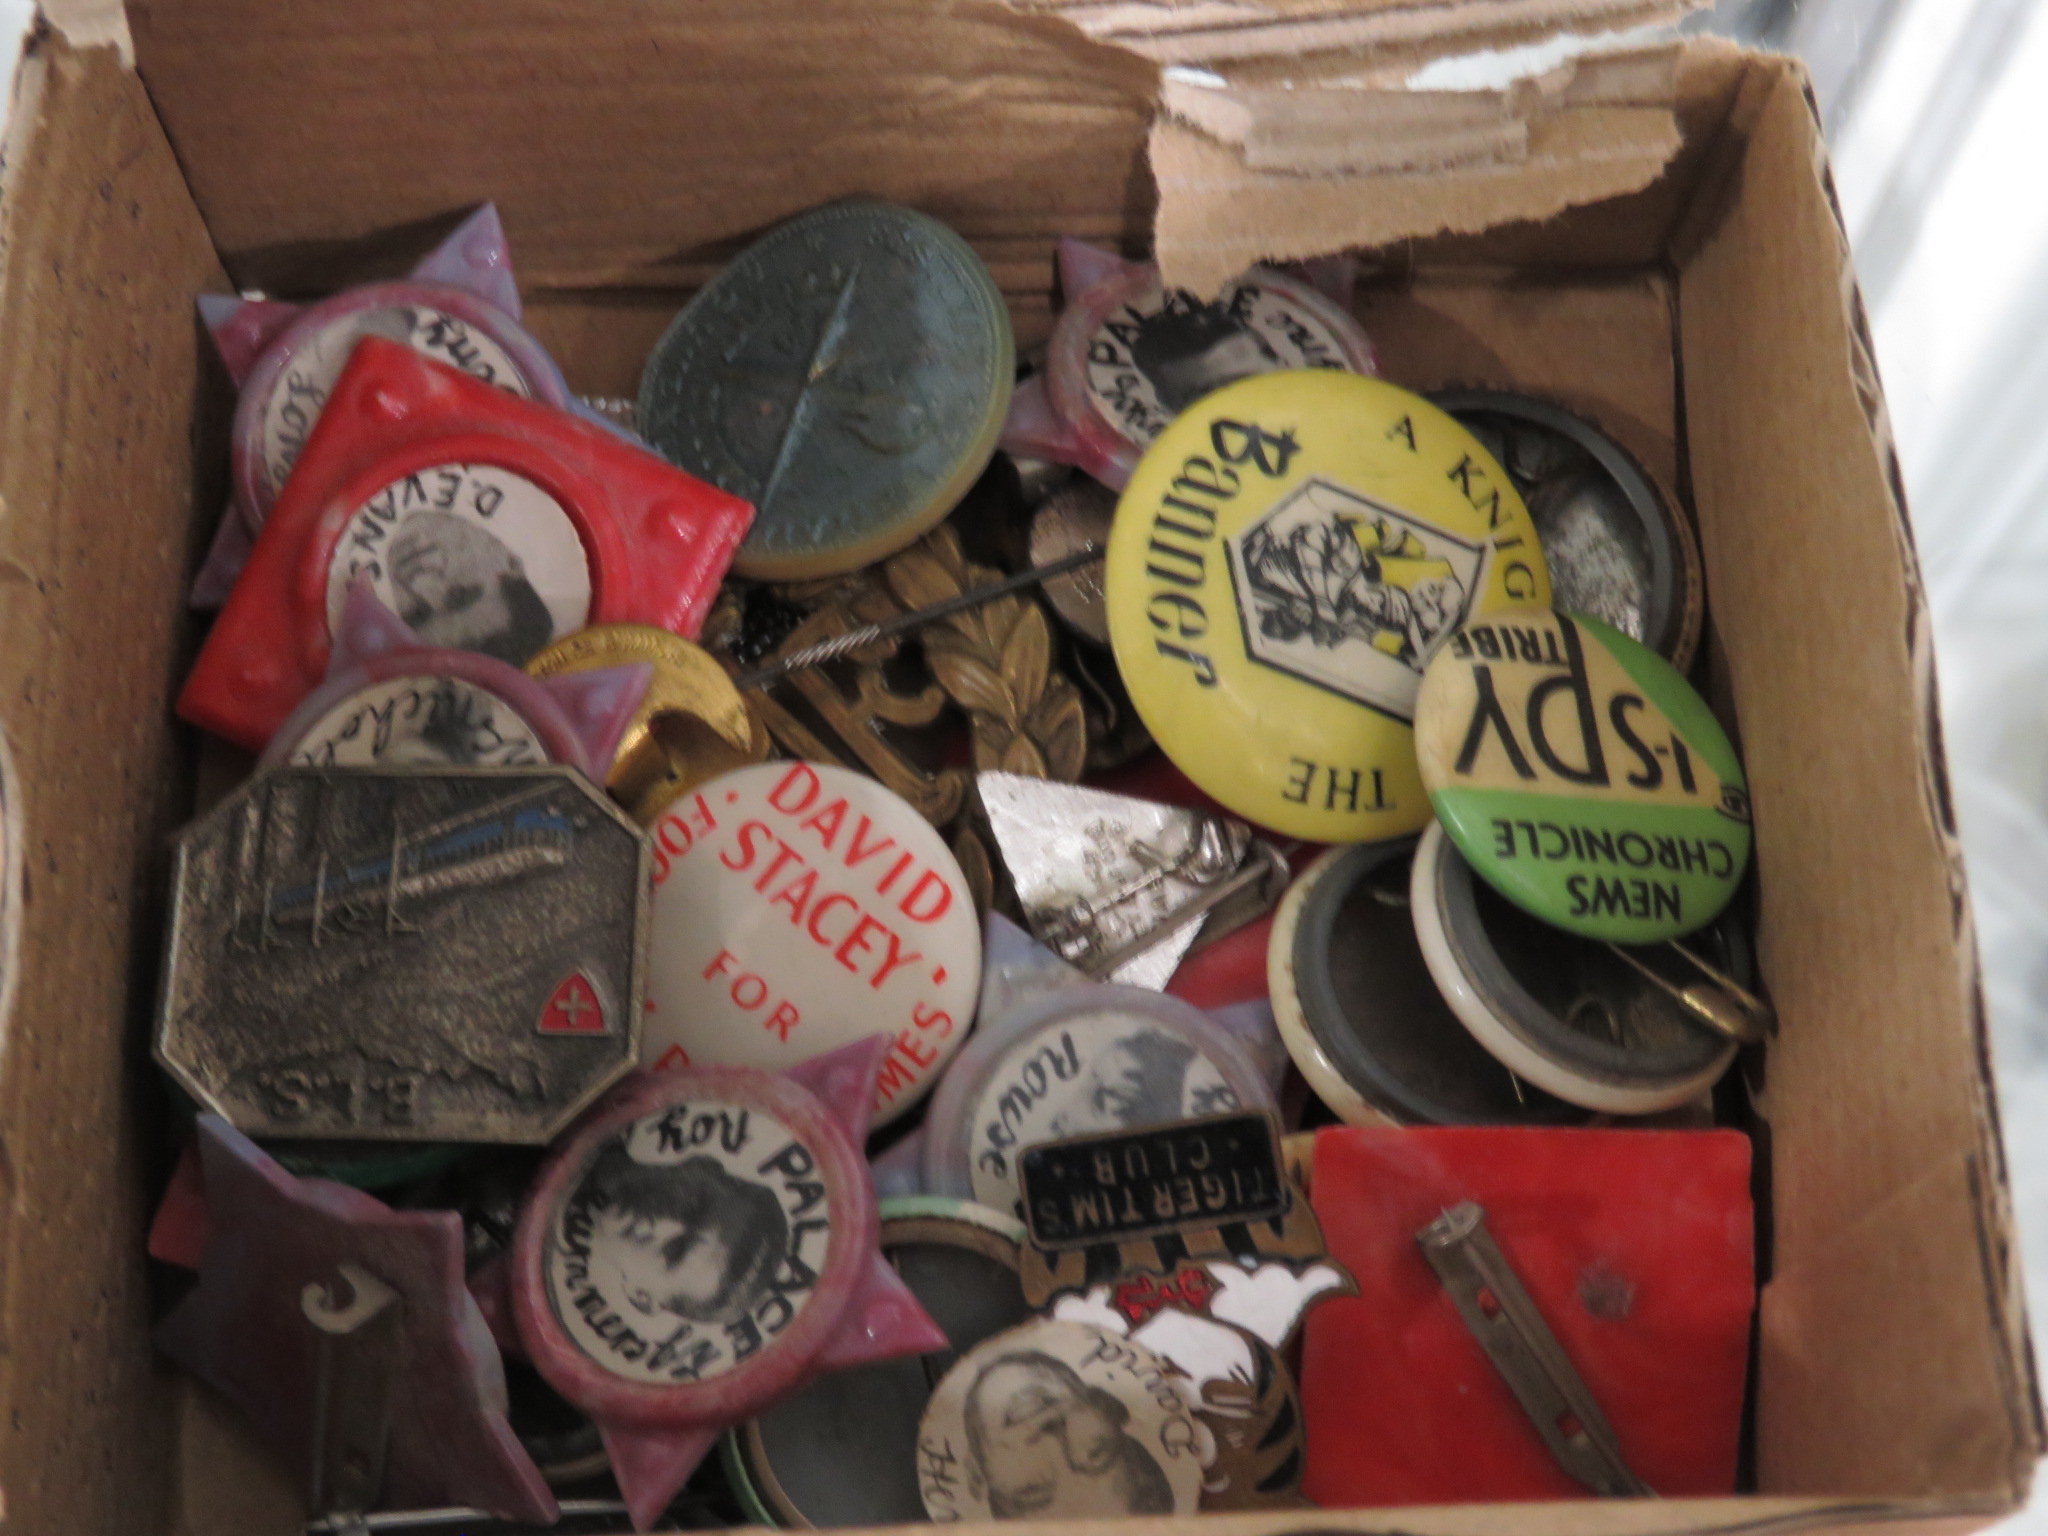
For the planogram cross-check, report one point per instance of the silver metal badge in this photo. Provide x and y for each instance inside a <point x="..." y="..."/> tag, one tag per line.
<point x="406" y="955"/>
<point x="1114" y="885"/>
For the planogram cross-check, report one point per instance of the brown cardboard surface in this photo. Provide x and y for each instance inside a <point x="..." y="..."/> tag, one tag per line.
<point x="228" y="1485"/>
<point x="1341" y="127"/>
<point x="1623" y="232"/>
<point x="1894" y="1355"/>
<point x="1217" y="215"/>
<point x="637" y="142"/>
<point x="632" y="146"/>
<point x="1406" y="31"/>
<point x="1599" y="347"/>
<point x="651" y="181"/>
<point x="100" y="367"/>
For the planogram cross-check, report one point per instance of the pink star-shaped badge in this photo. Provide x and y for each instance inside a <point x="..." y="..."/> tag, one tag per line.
<point x="610" y="1318"/>
<point x="579" y="716"/>
<point x="243" y="1330"/>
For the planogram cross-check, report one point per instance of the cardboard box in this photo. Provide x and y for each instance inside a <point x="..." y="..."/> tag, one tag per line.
<point x="1654" y="241"/>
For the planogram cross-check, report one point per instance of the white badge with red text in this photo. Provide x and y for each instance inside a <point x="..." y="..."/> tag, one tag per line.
<point x="798" y="907"/>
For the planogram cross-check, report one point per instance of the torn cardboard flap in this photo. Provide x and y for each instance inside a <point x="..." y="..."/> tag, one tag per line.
<point x="1266" y="179"/>
<point x="1215" y="32"/>
<point x="1348" y="129"/>
<point x="1285" y="91"/>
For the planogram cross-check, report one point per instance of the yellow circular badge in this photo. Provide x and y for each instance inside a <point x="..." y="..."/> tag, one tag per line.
<point x="1288" y="555"/>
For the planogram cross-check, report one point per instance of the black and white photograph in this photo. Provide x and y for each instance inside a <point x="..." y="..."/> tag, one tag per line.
<point x="1351" y="595"/>
<point x="471" y="557"/>
<point x="1111" y="1072"/>
<point x="419" y="722"/>
<point x="690" y="1240"/>
<point x="1161" y="352"/>
<point x="1056" y="1420"/>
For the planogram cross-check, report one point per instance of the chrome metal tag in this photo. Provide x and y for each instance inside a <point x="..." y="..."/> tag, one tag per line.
<point x="1114" y="885"/>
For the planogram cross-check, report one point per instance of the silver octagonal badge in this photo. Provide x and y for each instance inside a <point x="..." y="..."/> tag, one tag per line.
<point x="406" y="955"/>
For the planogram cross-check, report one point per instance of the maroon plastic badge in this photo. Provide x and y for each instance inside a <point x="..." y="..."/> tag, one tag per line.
<point x="486" y="522"/>
<point x="246" y="1330"/>
<point x="389" y="701"/>
<point x="703" y="1244"/>
<point x="459" y="305"/>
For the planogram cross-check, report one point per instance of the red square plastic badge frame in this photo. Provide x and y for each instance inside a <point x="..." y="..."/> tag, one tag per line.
<point x="658" y="540"/>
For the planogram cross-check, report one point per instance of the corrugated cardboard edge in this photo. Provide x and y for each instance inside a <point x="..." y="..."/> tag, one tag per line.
<point x="1466" y="161"/>
<point x="92" y="24"/>
<point x="1388" y="33"/>
<point x="1285" y="129"/>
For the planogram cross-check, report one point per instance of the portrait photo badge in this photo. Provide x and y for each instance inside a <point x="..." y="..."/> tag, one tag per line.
<point x="485" y="522"/>
<point x="704" y="1244"/>
<point x="1286" y="559"/>
<point x="459" y="305"/>
<point x="1060" y="1421"/>
<point x="390" y="702"/>
<point x="1129" y="354"/>
<point x="405" y="955"/>
<point x="1077" y="1061"/>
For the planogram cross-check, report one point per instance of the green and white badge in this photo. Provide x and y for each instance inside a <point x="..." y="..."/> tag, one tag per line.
<point x="1582" y="777"/>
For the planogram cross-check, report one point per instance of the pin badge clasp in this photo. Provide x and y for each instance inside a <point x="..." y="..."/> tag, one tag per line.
<point x="1498" y="1312"/>
<point x="359" y="1354"/>
<point x="1726" y="1007"/>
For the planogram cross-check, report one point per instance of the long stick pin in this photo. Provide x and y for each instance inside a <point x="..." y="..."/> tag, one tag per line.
<point x="868" y="634"/>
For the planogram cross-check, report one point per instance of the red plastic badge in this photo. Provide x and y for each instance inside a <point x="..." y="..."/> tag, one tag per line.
<point x="487" y="522"/>
<point x="701" y="1245"/>
<point x="1636" y="1247"/>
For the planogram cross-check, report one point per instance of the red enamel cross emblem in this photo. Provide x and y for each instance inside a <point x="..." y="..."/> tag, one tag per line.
<point x="573" y="1009"/>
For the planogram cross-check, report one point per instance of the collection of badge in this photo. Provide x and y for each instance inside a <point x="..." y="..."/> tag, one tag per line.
<point x="604" y="1031"/>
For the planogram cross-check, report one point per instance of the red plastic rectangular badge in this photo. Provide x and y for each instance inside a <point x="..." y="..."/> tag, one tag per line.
<point x="486" y="521"/>
<point x="1636" y="1246"/>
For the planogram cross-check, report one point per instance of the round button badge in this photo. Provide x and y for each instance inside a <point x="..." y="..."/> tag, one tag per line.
<point x="1130" y="354"/>
<point x="1618" y="549"/>
<point x="798" y="907"/>
<point x="847" y="373"/>
<point x="843" y="1449"/>
<point x="1286" y="559"/>
<point x="290" y="384"/>
<point x="390" y="702"/>
<point x="1564" y="1013"/>
<point x="1582" y="777"/>
<point x="1076" y="1062"/>
<point x="701" y="1245"/>
<point x="1060" y="1421"/>
<point x="692" y="725"/>
<point x="472" y="556"/>
<point x="1362" y="1016"/>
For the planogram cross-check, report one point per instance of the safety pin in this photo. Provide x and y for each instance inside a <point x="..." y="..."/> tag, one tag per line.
<point x="1264" y="869"/>
<point x="1727" y="1007"/>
